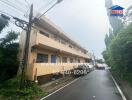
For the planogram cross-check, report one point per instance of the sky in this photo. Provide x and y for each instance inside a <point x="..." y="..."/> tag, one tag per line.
<point x="85" y="21"/>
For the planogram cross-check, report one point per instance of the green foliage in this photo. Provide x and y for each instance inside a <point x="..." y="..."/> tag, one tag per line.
<point x="8" y="61"/>
<point x="9" y="38"/>
<point x="99" y="61"/>
<point x="106" y="40"/>
<point x="9" y="90"/>
<point x="9" y="87"/>
<point x="106" y="57"/>
<point x="3" y="22"/>
<point x="8" y="56"/>
<point x="128" y="77"/>
<point x="8" y="52"/>
<point x="118" y="55"/>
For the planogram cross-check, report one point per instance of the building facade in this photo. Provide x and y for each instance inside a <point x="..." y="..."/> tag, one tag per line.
<point x="51" y="50"/>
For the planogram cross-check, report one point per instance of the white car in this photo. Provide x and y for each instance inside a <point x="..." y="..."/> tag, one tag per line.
<point x="91" y="66"/>
<point x="100" y="66"/>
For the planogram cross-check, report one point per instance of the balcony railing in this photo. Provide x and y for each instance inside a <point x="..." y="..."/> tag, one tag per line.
<point x="43" y="40"/>
<point x="39" y="69"/>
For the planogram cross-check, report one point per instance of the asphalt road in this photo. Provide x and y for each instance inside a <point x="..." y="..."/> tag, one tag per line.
<point x="97" y="83"/>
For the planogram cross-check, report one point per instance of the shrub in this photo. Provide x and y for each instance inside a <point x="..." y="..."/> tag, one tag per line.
<point x="9" y="90"/>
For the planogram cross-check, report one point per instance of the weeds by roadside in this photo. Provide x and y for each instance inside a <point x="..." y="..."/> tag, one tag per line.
<point x="9" y="90"/>
<point x="128" y="77"/>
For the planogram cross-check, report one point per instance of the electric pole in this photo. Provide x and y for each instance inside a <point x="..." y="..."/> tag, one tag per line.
<point x="27" y="26"/>
<point x="27" y="42"/>
<point x="26" y="48"/>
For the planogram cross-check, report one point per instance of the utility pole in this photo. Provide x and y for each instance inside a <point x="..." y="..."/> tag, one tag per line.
<point x="27" y="42"/>
<point x="27" y="26"/>
<point x="26" y="48"/>
<point x="94" y="60"/>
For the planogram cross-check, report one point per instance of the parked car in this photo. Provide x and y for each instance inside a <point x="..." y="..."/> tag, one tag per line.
<point x="86" y="66"/>
<point x="81" y="70"/>
<point x="91" y="67"/>
<point x="100" y="66"/>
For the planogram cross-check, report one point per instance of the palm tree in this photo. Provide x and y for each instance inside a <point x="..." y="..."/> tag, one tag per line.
<point x="4" y="21"/>
<point x="9" y="39"/>
<point x="8" y="51"/>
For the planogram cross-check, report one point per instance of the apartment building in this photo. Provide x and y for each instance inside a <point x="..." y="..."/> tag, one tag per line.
<point x="51" y="50"/>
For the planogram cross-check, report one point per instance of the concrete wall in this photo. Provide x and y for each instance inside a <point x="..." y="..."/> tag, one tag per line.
<point x="48" y="45"/>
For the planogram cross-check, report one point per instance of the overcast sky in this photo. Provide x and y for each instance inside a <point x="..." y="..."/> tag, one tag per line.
<point x="84" y="20"/>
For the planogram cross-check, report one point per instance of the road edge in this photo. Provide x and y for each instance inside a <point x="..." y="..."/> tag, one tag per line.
<point x="118" y="87"/>
<point x="59" y="89"/>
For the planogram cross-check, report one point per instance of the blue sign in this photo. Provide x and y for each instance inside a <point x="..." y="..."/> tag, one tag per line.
<point x="117" y="11"/>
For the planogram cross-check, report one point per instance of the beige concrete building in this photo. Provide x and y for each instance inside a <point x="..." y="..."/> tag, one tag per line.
<point x="51" y="50"/>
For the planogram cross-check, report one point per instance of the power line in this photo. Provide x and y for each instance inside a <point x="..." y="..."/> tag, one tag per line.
<point x="46" y="4"/>
<point x="57" y="2"/>
<point x="20" y="2"/>
<point x="27" y="3"/>
<point x="18" y="22"/>
<point x="47" y="10"/>
<point x="17" y="4"/>
<point x="27" y="6"/>
<point x="2" y="12"/>
<point x="9" y="15"/>
<point x="7" y="3"/>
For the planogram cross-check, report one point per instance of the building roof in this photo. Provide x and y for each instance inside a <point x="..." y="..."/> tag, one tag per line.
<point x="116" y="7"/>
<point x="44" y="21"/>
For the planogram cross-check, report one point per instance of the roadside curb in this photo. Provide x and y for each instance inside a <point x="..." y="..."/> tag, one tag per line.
<point x="59" y="89"/>
<point x="118" y="87"/>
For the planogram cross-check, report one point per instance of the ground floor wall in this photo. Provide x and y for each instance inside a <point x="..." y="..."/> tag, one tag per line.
<point x="40" y="55"/>
<point x="45" y="62"/>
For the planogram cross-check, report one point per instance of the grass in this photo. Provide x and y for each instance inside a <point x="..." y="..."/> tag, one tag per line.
<point x="9" y="90"/>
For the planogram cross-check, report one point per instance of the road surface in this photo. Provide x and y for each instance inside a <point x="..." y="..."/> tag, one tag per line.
<point x="97" y="83"/>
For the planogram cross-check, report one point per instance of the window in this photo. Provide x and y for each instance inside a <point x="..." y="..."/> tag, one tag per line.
<point x="55" y="37"/>
<point x="85" y="52"/>
<point x="63" y="42"/>
<point x="59" y="59"/>
<point x="47" y="35"/>
<point x="70" y="46"/>
<point x="64" y="59"/>
<point x="71" y="60"/>
<point x="42" y="58"/>
<point x="53" y="58"/>
<point x="78" y="60"/>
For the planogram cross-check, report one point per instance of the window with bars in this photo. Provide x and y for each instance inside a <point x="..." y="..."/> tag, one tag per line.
<point x="64" y="59"/>
<point x="42" y="58"/>
<point x="45" y="34"/>
<point x="71" y="60"/>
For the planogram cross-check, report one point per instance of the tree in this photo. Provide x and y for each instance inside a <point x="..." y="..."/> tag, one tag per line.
<point x="8" y="56"/>
<point x="100" y="61"/>
<point x="9" y="39"/>
<point x="119" y="53"/>
<point x="3" y="22"/>
<point x="106" y="57"/>
<point x="8" y="51"/>
<point x="128" y="15"/>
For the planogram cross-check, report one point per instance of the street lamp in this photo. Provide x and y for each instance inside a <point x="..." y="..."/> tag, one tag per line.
<point x="57" y="2"/>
